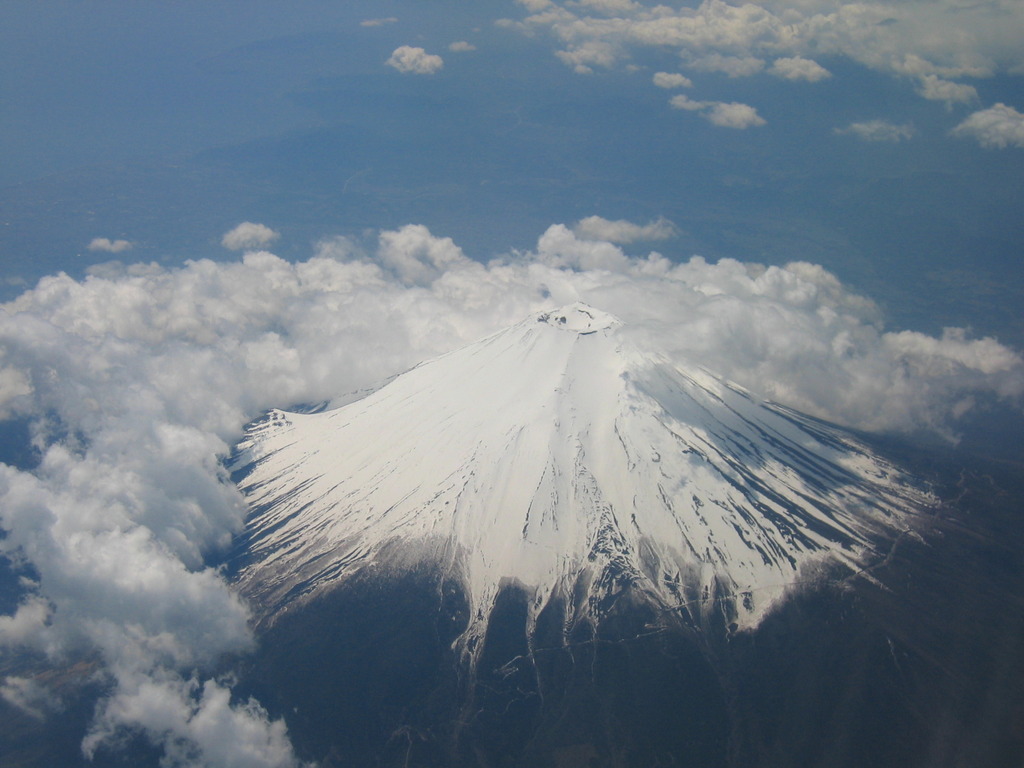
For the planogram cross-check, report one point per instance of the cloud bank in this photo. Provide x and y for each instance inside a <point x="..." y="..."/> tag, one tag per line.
<point x="930" y="43"/>
<point x="138" y="378"/>
<point x="914" y="38"/>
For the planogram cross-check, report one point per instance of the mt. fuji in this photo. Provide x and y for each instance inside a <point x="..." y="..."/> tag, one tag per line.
<point x="558" y="456"/>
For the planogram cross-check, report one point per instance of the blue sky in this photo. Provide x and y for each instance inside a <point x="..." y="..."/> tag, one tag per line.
<point x="208" y="209"/>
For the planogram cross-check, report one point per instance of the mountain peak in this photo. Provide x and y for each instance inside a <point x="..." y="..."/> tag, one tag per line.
<point x="579" y="318"/>
<point x="572" y="464"/>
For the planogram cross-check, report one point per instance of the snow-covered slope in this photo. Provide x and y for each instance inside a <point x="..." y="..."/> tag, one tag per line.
<point x="556" y="454"/>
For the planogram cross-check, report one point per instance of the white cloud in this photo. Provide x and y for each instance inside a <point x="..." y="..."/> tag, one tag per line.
<point x="722" y="114"/>
<point x="411" y="60"/>
<point x="684" y="102"/>
<point x="584" y="57"/>
<point x="935" y="88"/>
<point x="734" y="115"/>
<point x="30" y="696"/>
<point x="111" y="246"/>
<point x="195" y="724"/>
<point x="27" y="623"/>
<point x="622" y="231"/>
<point x="671" y="80"/>
<point x="137" y="378"/>
<point x="14" y="386"/>
<point x="461" y="46"/>
<point x="799" y="68"/>
<point x="416" y="257"/>
<point x="378" y="22"/>
<point x="249" y="235"/>
<point x="877" y="130"/>
<point x="997" y="127"/>
<point x="945" y="39"/>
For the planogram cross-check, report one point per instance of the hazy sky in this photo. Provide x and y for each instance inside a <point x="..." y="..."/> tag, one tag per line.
<point x="881" y="140"/>
<point x="255" y="204"/>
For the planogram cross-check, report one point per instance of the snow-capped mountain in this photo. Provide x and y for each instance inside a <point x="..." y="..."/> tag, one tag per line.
<point x="557" y="455"/>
